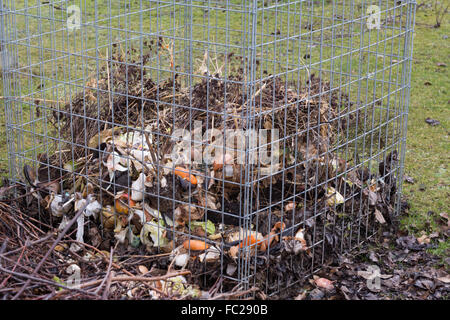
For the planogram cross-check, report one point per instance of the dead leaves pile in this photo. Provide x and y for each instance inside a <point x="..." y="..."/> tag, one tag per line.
<point x="399" y="268"/>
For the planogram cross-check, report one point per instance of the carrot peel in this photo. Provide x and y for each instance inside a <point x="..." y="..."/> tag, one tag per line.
<point x="195" y="245"/>
<point x="184" y="174"/>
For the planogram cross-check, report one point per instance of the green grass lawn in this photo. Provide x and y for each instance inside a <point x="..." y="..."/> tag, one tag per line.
<point x="428" y="151"/>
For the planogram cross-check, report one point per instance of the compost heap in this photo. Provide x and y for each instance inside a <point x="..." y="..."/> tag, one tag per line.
<point x="134" y="223"/>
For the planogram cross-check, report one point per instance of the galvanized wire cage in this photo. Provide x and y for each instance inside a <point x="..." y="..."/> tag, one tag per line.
<point x="270" y="133"/>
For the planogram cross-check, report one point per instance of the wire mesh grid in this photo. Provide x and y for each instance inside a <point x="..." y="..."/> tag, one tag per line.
<point x="271" y="131"/>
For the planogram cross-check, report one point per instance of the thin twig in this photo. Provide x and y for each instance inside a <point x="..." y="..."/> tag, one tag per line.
<point x="235" y="294"/>
<point x="14" y="268"/>
<point x="32" y="278"/>
<point x="108" y="272"/>
<point x="30" y="244"/>
<point x="136" y="278"/>
<point x="60" y="236"/>
<point x="34" y="99"/>
<point x="108" y="285"/>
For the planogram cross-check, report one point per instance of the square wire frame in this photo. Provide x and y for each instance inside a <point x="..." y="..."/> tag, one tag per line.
<point x="322" y="87"/>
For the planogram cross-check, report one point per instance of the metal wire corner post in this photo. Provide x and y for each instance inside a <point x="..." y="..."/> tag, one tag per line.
<point x="409" y="37"/>
<point x="6" y="59"/>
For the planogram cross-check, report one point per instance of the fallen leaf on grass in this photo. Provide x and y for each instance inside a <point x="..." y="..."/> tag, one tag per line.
<point x="445" y="216"/>
<point x="432" y="122"/>
<point x="409" y="179"/>
<point x="423" y="239"/>
<point x="445" y="279"/>
<point x="372" y="272"/>
<point x="316" y="294"/>
<point x="409" y="242"/>
<point x="301" y="296"/>
<point x="424" y="284"/>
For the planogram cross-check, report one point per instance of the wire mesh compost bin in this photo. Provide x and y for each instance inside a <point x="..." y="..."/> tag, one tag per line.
<point x="249" y="141"/>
